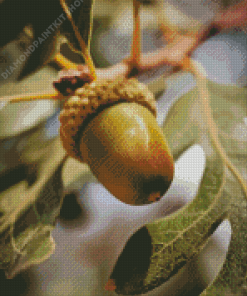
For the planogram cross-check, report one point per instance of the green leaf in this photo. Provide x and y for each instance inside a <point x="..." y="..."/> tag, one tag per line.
<point x="232" y="279"/>
<point x="7" y="252"/>
<point x="230" y="113"/>
<point x="178" y="238"/>
<point x="180" y="129"/>
<point x="75" y="174"/>
<point x="28" y="212"/>
<point x="39" y="247"/>
<point x="17" y="118"/>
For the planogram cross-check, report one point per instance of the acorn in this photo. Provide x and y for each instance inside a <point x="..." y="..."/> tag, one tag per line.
<point x="111" y="125"/>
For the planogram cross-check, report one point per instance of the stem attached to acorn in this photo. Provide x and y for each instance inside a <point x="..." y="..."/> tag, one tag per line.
<point x="64" y="63"/>
<point x="136" y="42"/>
<point x="84" y="47"/>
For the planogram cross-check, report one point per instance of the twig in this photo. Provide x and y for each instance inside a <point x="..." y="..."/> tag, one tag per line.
<point x="63" y="62"/>
<point x="31" y="97"/>
<point x="136" y="41"/>
<point x="174" y="54"/>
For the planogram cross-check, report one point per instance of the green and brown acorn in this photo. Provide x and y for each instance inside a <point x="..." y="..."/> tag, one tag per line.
<point x="111" y="126"/>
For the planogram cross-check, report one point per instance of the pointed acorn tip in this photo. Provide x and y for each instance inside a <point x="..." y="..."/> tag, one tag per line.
<point x="155" y="196"/>
<point x="110" y="285"/>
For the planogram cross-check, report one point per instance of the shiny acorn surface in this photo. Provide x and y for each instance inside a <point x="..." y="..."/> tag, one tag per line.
<point x="127" y="152"/>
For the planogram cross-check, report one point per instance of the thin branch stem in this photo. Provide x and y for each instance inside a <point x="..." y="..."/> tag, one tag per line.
<point x="168" y="33"/>
<point x="136" y="41"/>
<point x="213" y="130"/>
<point x="64" y="63"/>
<point x="84" y="48"/>
<point x="174" y="54"/>
<point x="31" y="97"/>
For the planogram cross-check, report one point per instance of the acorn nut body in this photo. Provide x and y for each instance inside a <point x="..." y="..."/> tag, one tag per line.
<point x="119" y="139"/>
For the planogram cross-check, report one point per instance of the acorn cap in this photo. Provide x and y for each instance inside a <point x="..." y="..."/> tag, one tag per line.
<point x="91" y="99"/>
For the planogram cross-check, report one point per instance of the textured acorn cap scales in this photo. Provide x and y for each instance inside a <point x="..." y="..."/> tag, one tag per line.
<point x="91" y="99"/>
